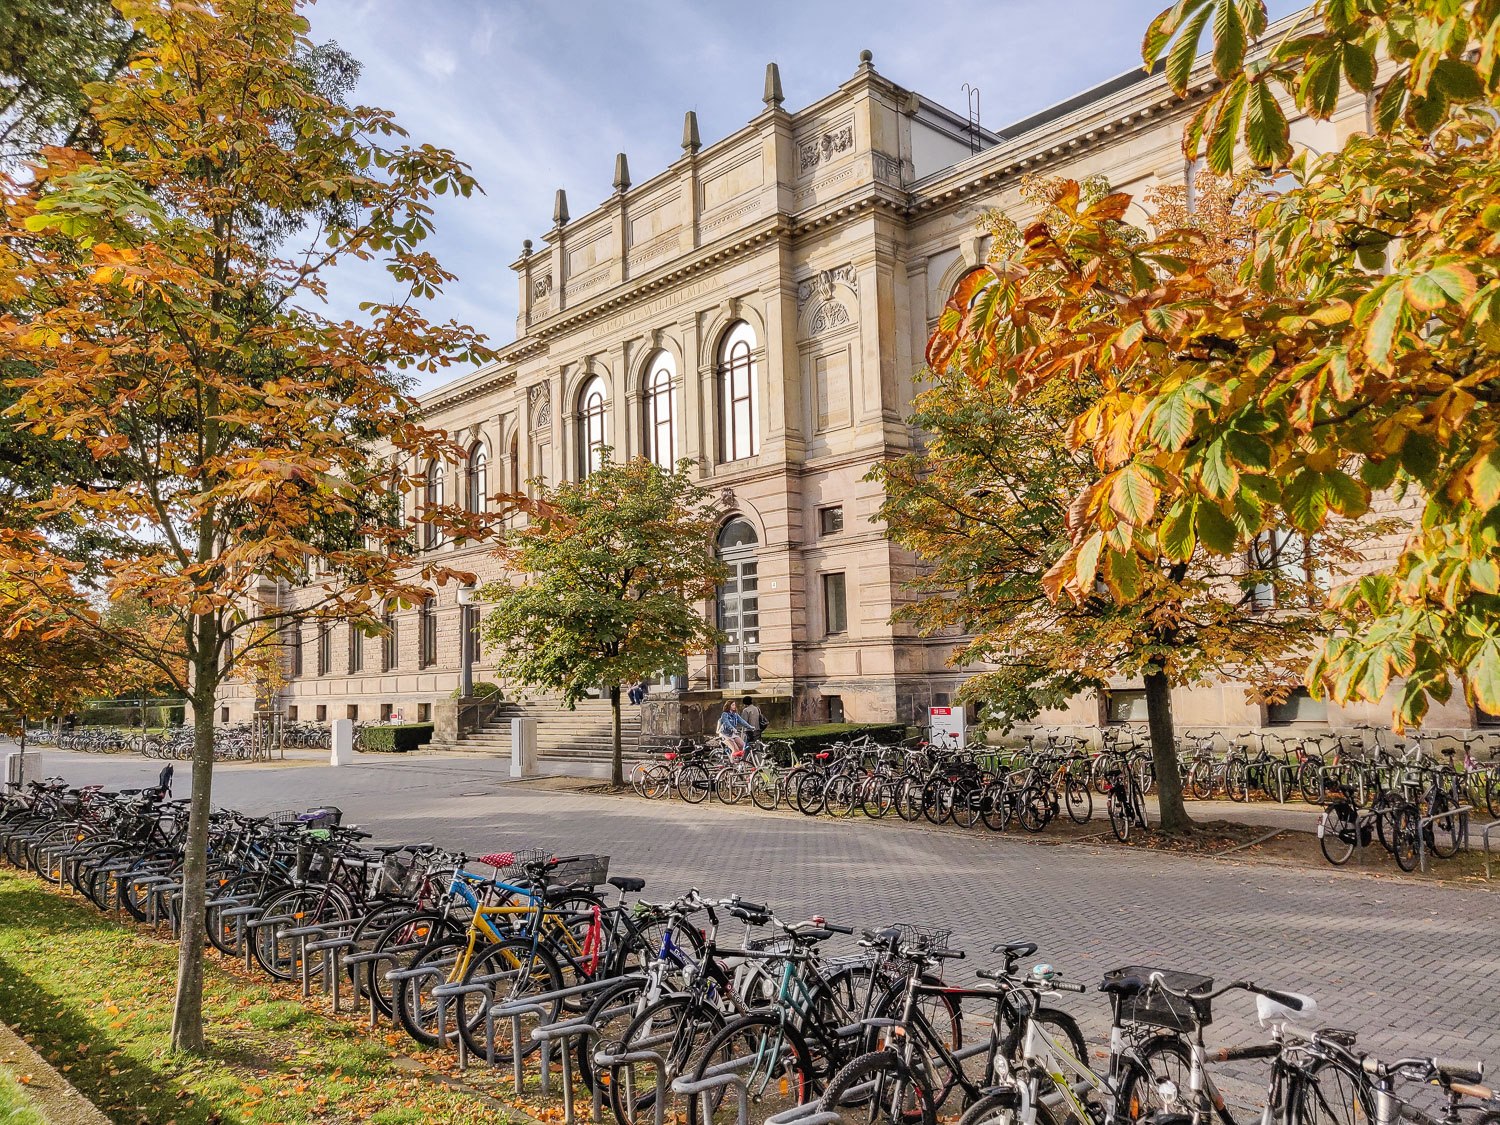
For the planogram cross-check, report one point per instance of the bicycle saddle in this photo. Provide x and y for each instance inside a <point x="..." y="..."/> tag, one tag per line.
<point x="1015" y="948"/>
<point x="388" y="849"/>
<point x="1125" y="986"/>
<point x="628" y="884"/>
<point x="1273" y="1011"/>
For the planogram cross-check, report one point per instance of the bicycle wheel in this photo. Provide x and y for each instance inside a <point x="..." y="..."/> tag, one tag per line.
<point x="879" y="1087"/>
<point x="765" y="788"/>
<point x="1078" y="799"/>
<point x="1120" y="820"/>
<point x="693" y="784"/>
<point x="1278" y="782"/>
<point x="839" y="798"/>
<point x="1034" y="811"/>
<point x="1237" y="780"/>
<point x="1330" y="1095"/>
<point x="1491" y="788"/>
<point x="656" y="783"/>
<point x="809" y="793"/>
<point x="730" y="786"/>
<point x="415" y="931"/>
<point x="1153" y="1083"/>
<point x="877" y="797"/>
<point x="999" y="1108"/>
<point x="1406" y="834"/>
<point x="1446" y="832"/>
<point x="909" y="794"/>
<point x="1202" y="780"/>
<point x="996" y="807"/>
<point x="937" y="801"/>
<point x="1338" y="832"/>
<point x="521" y="971"/>
<point x="968" y="803"/>
<point x="778" y="1077"/>
<point x="1311" y="782"/>
<point x="677" y="1028"/>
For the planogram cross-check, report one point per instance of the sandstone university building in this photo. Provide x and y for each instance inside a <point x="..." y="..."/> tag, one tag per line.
<point x="762" y="307"/>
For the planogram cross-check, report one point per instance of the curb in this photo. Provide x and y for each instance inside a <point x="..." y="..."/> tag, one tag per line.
<point x="56" y="1099"/>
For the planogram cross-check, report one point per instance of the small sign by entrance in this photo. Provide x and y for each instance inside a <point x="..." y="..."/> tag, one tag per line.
<point x="945" y="725"/>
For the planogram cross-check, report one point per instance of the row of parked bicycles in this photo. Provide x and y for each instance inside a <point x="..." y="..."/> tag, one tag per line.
<point x="232" y="742"/>
<point x="693" y="1007"/>
<point x="1030" y="787"/>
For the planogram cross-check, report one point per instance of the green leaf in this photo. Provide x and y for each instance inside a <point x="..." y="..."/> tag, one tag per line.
<point x="1381" y="333"/>
<point x="1458" y="80"/>
<point x="1346" y="496"/>
<point x="1379" y="475"/>
<point x="1185" y="51"/>
<point x="1419" y="457"/>
<point x="1170" y="421"/>
<point x="1215" y="531"/>
<point x="1248" y="449"/>
<point x="1320" y="85"/>
<point x="1132" y="497"/>
<point x="1229" y="39"/>
<point x="1484" y="575"/>
<point x="1164" y="26"/>
<point x="1267" y="135"/>
<point x="1483" y="476"/>
<point x="1176" y="537"/>
<point x="1484" y="673"/>
<point x="1306" y="500"/>
<point x="1424" y="294"/>
<point x="1122" y="574"/>
<point x="1224" y="129"/>
<point x="1455" y="280"/>
<point x="1359" y="67"/>
<point x="1390" y="107"/>
<point x="1219" y="477"/>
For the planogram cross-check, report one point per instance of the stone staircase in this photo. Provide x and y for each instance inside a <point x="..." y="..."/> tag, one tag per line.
<point x="576" y="743"/>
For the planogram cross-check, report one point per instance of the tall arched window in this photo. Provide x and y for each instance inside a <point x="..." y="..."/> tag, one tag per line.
<point x="515" y="463"/>
<point x="432" y="499"/>
<point x="739" y="605"/>
<point x="738" y="425"/>
<point x="591" y="439"/>
<point x="477" y="482"/>
<point x="661" y="424"/>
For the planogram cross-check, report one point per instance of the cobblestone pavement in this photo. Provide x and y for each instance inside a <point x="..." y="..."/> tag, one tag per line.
<point x="1414" y="969"/>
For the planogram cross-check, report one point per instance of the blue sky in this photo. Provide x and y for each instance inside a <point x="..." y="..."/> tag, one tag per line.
<point x="541" y="95"/>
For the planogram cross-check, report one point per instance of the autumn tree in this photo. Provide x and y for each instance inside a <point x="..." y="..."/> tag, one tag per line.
<point x="986" y="499"/>
<point x="610" y="575"/>
<point x="1354" y="353"/>
<point x="164" y="298"/>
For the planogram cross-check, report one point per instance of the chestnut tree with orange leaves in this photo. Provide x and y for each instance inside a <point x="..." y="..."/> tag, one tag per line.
<point x="164" y="309"/>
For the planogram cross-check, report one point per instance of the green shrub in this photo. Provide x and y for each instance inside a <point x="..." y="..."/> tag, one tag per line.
<point x="395" y="739"/>
<point x="810" y="739"/>
<point x="124" y="715"/>
<point x="482" y="690"/>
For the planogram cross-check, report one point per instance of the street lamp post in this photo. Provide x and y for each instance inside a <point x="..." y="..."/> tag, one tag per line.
<point x="465" y="643"/>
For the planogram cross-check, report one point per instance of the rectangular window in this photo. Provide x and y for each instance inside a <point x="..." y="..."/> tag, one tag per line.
<point x="351" y="711"/>
<point x="1127" y="706"/>
<point x="297" y="649"/>
<point x="325" y="650"/>
<point x="831" y="520"/>
<point x="471" y="626"/>
<point x="223" y="714"/>
<point x="424" y="712"/>
<point x="390" y="648"/>
<point x="385" y="712"/>
<point x="322" y="713"/>
<point x="427" y="638"/>
<point x="835" y="705"/>
<point x="835" y="613"/>
<point x="1300" y="707"/>
<point x="356" y="649"/>
<point x="291" y="713"/>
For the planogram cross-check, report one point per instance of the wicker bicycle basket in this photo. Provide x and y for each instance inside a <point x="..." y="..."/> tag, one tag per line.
<point x="580" y="870"/>
<point x="1155" y="1008"/>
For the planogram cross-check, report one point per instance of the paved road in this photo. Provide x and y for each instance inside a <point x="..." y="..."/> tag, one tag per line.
<point x="1412" y="968"/>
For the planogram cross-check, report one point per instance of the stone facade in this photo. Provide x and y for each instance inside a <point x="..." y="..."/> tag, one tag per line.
<point x="834" y="235"/>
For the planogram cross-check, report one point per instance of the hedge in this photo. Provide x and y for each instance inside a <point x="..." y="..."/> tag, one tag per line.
<point x="807" y="740"/>
<point x="395" y="739"/>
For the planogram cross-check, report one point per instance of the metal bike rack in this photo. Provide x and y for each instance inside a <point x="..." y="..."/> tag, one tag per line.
<point x="480" y="985"/>
<point x="1484" y="834"/>
<point x="1462" y="812"/>
<point x="717" y="1077"/>
<point x="255" y="925"/>
<point x="805" y="1114"/>
<point x="659" y="1107"/>
<point x="334" y="947"/>
<point x="302" y="933"/>
<point x="390" y="953"/>
<point x="242" y="916"/>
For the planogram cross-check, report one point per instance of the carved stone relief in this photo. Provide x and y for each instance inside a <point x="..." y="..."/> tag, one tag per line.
<point x="832" y="314"/>
<point x="542" y="286"/>
<point x="540" y="404"/>
<point x="833" y="143"/>
<point x="821" y="284"/>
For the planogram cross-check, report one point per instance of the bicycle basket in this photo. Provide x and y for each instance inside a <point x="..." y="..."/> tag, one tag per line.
<point x="1155" y="1008"/>
<point x="513" y="865"/>
<point x="399" y="878"/>
<point x="579" y="870"/>
<point x="917" y="937"/>
<point x="325" y="816"/>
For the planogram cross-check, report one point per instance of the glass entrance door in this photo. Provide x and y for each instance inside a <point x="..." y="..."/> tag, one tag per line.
<point x="739" y="606"/>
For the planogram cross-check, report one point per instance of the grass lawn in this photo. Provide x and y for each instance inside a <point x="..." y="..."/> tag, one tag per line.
<point x="15" y="1107"/>
<point x="95" y="998"/>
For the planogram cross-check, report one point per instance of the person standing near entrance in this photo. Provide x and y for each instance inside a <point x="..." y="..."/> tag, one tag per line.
<point x="754" y="718"/>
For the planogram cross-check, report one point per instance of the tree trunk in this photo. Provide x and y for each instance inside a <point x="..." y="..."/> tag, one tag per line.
<point x="187" y="1011"/>
<point x="1174" y="815"/>
<point x="617" y="765"/>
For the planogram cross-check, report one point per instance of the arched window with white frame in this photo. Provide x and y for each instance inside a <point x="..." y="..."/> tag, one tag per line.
<point x="477" y="481"/>
<point x="739" y="426"/>
<point x="591" y="432"/>
<point x="661" y="419"/>
<point x="432" y="499"/>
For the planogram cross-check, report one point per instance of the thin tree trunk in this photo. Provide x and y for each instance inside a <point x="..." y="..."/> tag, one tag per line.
<point x="1174" y="814"/>
<point x="187" y="1011"/>
<point x="617" y="765"/>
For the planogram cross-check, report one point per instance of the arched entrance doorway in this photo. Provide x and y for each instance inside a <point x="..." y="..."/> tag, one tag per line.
<point x="739" y="605"/>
